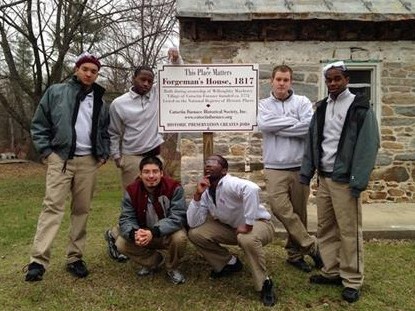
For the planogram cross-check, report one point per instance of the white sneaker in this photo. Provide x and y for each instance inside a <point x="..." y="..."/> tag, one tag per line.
<point x="176" y="277"/>
<point x="144" y="271"/>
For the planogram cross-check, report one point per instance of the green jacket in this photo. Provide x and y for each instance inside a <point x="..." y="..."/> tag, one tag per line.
<point x="357" y="149"/>
<point x="53" y="124"/>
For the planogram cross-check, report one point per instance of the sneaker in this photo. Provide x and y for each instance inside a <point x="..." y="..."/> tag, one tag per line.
<point x="176" y="277"/>
<point x="320" y="279"/>
<point x="77" y="268"/>
<point x="227" y="270"/>
<point x="318" y="262"/>
<point x="350" y="294"/>
<point x="267" y="293"/>
<point x="35" y="272"/>
<point x="112" y="248"/>
<point x="300" y="264"/>
<point x="144" y="271"/>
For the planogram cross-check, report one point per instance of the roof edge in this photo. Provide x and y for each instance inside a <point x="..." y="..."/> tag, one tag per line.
<point x="247" y="16"/>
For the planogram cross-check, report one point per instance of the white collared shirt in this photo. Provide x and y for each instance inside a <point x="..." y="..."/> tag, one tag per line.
<point x="83" y="125"/>
<point x="237" y="203"/>
<point x="333" y="125"/>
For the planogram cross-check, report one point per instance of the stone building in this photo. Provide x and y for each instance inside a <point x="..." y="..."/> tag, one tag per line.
<point x="374" y="38"/>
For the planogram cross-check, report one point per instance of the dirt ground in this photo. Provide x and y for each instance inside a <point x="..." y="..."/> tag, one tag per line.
<point x="16" y="170"/>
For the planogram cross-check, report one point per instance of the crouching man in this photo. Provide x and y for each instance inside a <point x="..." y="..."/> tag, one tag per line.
<point x="152" y="221"/>
<point x="226" y="210"/>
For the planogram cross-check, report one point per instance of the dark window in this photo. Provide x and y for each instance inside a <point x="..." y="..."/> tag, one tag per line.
<point x="360" y="83"/>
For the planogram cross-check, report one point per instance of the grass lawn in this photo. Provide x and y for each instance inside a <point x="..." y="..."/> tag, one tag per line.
<point x="389" y="265"/>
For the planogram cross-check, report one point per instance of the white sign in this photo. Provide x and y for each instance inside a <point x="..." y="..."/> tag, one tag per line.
<point x="208" y="98"/>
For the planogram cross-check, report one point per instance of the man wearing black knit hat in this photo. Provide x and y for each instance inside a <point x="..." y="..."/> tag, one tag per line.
<point x="69" y="130"/>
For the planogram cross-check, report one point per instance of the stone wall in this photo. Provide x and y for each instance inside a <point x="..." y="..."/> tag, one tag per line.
<point x="393" y="177"/>
<point x="242" y="150"/>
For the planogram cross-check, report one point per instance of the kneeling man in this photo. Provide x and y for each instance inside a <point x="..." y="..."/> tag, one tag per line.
<point x="152" y="221"/>
<point x="226" y="210"/>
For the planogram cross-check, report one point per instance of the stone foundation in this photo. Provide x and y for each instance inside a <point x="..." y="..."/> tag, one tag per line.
<point x="390" y="183"/>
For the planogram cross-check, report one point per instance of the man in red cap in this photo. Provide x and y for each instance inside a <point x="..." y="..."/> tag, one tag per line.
<point x="69" y="130"/>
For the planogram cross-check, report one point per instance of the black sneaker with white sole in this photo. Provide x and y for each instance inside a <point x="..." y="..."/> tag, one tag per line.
<point x="112" y="248"/>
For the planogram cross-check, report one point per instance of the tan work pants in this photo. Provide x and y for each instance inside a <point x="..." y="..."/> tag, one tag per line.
<point x="174" y="244"/>
<point x="288" y="201"/>
<point x="340" y="232"/>
<point x="79" y="179"/>
<point x="208" y="239"/>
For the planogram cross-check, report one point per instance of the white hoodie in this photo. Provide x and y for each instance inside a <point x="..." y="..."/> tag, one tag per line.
<point x="284" y="125"/>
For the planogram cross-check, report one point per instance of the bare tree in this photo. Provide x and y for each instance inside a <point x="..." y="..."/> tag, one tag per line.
<point x="50" y="33"/>
<point x="150" y="25"/>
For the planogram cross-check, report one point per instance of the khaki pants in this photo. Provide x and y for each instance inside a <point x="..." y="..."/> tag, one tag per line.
<point x="79" y="180"/>
<point x="288" y="201"/>
<point x="174" y="244"/>
<point x="208" y="239"/>
<point x="340" y="232"/>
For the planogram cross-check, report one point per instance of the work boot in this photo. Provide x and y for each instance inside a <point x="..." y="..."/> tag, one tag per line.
<point x="300" y="264"/>
<point x="227" y="270"/>
<point x="35" y="272"/>
<point x="77" y="269"/>
<point x="267" y="293"/>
